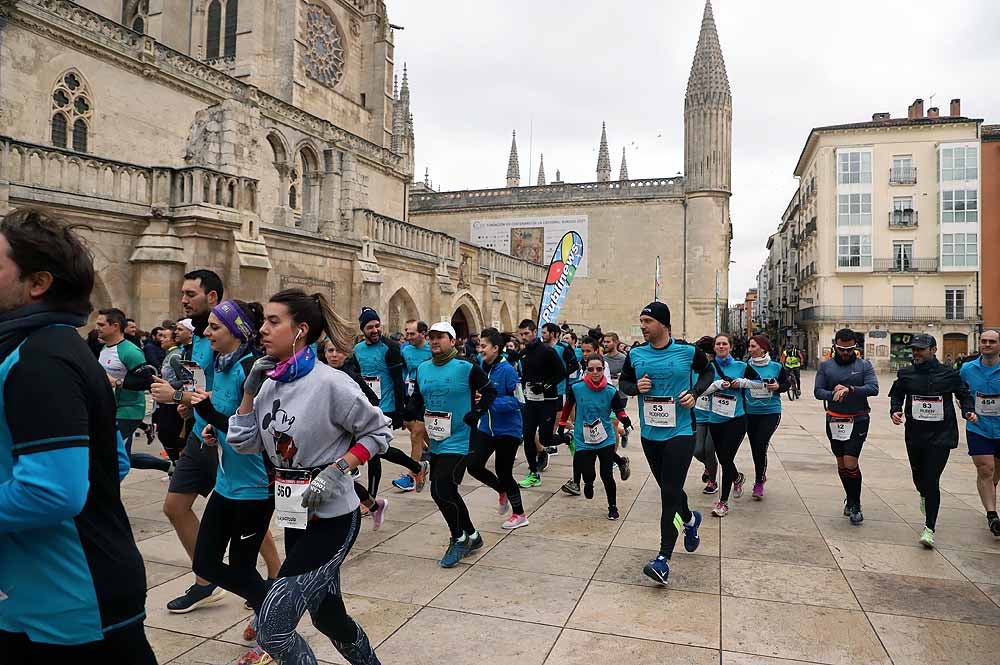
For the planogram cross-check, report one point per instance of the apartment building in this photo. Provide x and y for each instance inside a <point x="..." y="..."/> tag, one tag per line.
<point x="890" y="233"/>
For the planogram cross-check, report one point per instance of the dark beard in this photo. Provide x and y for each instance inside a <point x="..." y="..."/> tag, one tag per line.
<point x="836" y="356"/>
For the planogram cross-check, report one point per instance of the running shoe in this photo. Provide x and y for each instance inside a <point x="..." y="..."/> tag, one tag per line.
<point x="691" y="537"/>
<point x="503" y="504"/>
<point x="721" y="509"/>
<point x="588" y="490"/>
<point x="711" y="487"/>
<point x="196" y="596"/>
<point x="255" y="656"/>
<point x="856" y="516"/>
<point x="625" y="440"/>
<point x="405" y="483"/>
<point x="515" y="522"/>
<point x="551" y="450"/>
<point x="923" y="506"/>
<point x="378" y="516"/>
<point x="572" y="447"/>
<point x="657" y="570"/>
<point x="571" y="488"/>
<point x="250" y="632"/>
<point x="150" y="433"/>
<point x="738" y="485"/>
<point x="758" y="491"/>
<point x="625" y="469"/>
<point x="543" y="461"/>
<point x="531" y="480"/>
<point x="454" y="553"/>
<point x="472" y="544"/>
<point x="994" y="524"/>
<point x="847" y="509"/>
<point x="613" y="514"/>
<point x="421" y="479"/>
<point x="704" y="476"/>
<point x="927" y="538"/>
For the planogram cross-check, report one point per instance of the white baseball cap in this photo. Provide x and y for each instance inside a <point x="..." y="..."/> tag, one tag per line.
<point x="445" y="327"/>
<point x="186" y="323"/>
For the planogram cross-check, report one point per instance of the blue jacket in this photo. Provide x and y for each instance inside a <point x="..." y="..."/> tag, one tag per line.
<point x="982" y="381"/>
<point x="504" y="416"/>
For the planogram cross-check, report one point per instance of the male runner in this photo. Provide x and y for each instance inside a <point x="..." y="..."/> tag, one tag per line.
<point x="982" y="376"/>
<point x="541" y="371"/>
<point x="415" y="351"/>
<point x="552" y="335"/>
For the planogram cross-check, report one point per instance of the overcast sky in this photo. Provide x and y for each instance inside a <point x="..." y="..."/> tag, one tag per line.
<point x="555" y="70"/>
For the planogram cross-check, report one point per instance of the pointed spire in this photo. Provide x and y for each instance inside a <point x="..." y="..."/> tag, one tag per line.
<point x="708" y="71"/>
<point x="541" y="171"/>
<point x="513" y="167"/>
<point x="395" y="86"/>
<point x="558" y="176"/>
<point x="603" y="157"/>
<point x="623" y="174"/>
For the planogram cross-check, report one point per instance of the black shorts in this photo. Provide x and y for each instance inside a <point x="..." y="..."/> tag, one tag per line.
<point x="196" y="468"/>
<point x="851" y="447"/>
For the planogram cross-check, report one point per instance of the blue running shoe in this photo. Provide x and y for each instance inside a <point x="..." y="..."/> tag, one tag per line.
<point x="691" y="538"/>
<point x="456" y="552"/>
<point x="657" y="570"/>
<point x="404" y="483"/>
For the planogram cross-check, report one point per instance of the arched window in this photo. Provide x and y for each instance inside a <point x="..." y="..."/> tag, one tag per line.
<point x="214" y="27"/>
<point x="71" y="110"/>
<point x="223" y="18"/>
<point x="136" y="15"/>
<point x="232" y="14"/>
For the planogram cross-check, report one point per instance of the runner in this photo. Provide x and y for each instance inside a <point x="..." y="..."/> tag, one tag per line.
<point x="982" y="376"/>
<point x="727" y="422"/>
<point x="446" y="387"/>
<point x="594" y="400"/>
<point x="416" y="351"/>
<point x="314" y="425"/>
<point x="72" y="582"/>
<point x="844" y="383"/>
<point x="660" y="372"/>
<point x="569" y="338"/>
<point x="552" y="335"/>
<point x="541" y="370"/>
<point x="499" y="431"/>
<point x="704" y="446"/>
<point x="171" y="428"/>
<point x="923" y="395"/>
<point x="615" y="361"/>
<point x="768" y="379"/>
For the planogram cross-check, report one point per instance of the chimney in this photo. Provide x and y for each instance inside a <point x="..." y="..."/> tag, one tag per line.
<point x="933" y="112"/>
<point x="916" y="109"/>
<point x="879" y="117"/>
<point x="956" y="108"/>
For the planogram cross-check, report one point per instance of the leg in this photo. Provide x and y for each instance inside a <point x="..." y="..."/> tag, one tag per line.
<point x="483" y="445"/>
<point x="728" y="436"/>
<point x="397" y="456"/>
<point x="986" y="480"/>
<point x="374" y="474"/>
<point x="178" y="509"/>
<point x="606" y="459"/>
<point x="583" y="464"/>
<point x="760" y="428"/>
<point x="506" y="450"/>
<point x="331" y="619"/>
<point x="269" y="552"/>
<point x="127" y="645"/>
<point x="127" y="429"/>
<point x="935" y="462"/>
<point x="531" y="419"/>
<point x="363" y="496"/>
<point x="446" y="476"/>
<point x="672" y="459"/>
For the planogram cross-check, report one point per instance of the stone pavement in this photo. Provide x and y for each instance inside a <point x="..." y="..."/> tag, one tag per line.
<point x="784" y="580"/>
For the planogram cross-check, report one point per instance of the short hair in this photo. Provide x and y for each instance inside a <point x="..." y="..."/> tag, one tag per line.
<point x="552" y="329"/>
<point x="128" y="319"/>
<point x="422" y="326"/>
<point x="589" y="340"/>
<point x="846" y="334"/>
<point x="43" y="242"/>
<point x="527" y="324"/>
<point x="596" y="333"/>
<point x="114" y="315"/>
<point x="614" y="336"/>
<point x="209" y="281"/>
<point x="572" y="336"/>
<point x="154" y="331"/>
<point x="593" y="356"/>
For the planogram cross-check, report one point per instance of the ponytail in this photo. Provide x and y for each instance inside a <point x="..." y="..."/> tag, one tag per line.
<point x="338" y="330"/>
<point x="317" y="313"/>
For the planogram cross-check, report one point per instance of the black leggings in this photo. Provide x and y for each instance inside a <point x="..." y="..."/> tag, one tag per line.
<point x="447" y="472"/>
<point x="127" y="645"/>
<point x="394" y="455"/>
<point x="760" y="429"/>
<point x="240" y="526"/>
<point x="538" y="417"/>
<point x="127" y="429"/>
<point x="583" y="464"/>
<point x="169" y="429"/>
<point x="309" y="579"/>
<point x="704" y="450"/>
<point x="669" y="462"/>
<point x="505" y="448"/>
<point x="728" y="436"/>
<point x="927" y="464"/>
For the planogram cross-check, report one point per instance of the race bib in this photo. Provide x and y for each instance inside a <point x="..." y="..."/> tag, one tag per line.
<point x="724" y="404"/>
<point x="927" y="408"/>
<point x="533" y="397"/>
<point x="758" y="390"/>
<point x="289" y="486"/>
<point x="438" y="425"/>
<point x="659" y="411"/>
<point x="987" y="405"/>
<point x="375" y="383"/>
<point x="704" y="403"/>
<point x="594" y="433"/>
<point x="841" y="429"/>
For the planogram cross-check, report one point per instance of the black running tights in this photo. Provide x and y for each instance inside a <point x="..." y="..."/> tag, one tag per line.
<point x="728" y="436"/>
<point x="760" y="429"/>
<point x="505" y="450"/>
<point x="669" y="461"/>
<point x="447" y="472"/>
<point x="583" y="463"/>
<point x="927" y="464"/>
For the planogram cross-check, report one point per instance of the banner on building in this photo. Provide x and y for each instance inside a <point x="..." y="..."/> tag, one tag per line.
<point x="529" y="238"/>
<point x="566" y="259"/>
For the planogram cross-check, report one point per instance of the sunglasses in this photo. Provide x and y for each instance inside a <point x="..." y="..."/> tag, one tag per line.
<point x="595" y="369"/>
<point x="845" y="348"/>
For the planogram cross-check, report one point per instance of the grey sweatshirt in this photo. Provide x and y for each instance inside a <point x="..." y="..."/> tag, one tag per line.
<point x="859" y="376"/>
<point x="310" y="422"/>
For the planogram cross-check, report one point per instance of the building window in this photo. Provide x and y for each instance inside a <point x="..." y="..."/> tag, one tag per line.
<point x="954" y="303"/>
<point x="902" y="255"/>
<point x="960" y="205"/>
<point x="959" y="163"/>
<point x="902" y="212"/>
<point x="223" y="18"/>
<point x="232" y="15"/>
<point x="324" y="47"/>
<point x="854" y="210"/>
<point x="959" y="250"/>
<point x="71" y="112"/>
<point x="854" y="168"/>
<point x="136" y="15"/>
<point x="903" y="172"/>
<point x="854" y="251"/>
<point x="854" y="298"/>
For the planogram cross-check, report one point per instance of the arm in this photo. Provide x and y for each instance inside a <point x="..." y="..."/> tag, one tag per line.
<point x="870" y="389"/>
<point x="243" y="434"/>
<point x="394" y="361"/>
<point x="784" y="383"/>
<point x="627" y="380"/>
<point x="206" y="410"/>
<point x="822" y="389"/>
<point x="370" y="427"/>
<point x="139" y="378"/>
<point x="506" y="402"/>
<point x="414" y="409"/>
<point x="964" y="396"/>
<point x="572" y="364"/>
<point x="479" y="382"/>
<point x="706" y="375"/>
<point x="567" y="408"/>
<point x="897" y="394"/>
<point x="553" y="370"/>
<point x="618" y="404"/>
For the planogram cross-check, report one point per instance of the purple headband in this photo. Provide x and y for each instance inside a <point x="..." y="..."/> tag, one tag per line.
<point x="234" y="318"/>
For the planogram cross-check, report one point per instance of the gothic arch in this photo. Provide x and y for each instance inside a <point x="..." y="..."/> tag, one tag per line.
<point x="506" y="322"/>
<point x="465" y="307"/>
<point x="401" y="309"/>
<point x="72" y="111"/>
<point x="279" y="147"/>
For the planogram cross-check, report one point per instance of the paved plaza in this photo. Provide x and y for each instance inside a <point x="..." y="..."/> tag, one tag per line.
<point x="784" y="580"/>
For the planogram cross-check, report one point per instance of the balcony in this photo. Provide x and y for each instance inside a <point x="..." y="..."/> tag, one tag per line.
<point x="903" y="175"/>
<point x="900" y="264"/>
<point x="890" y="314"/>
<point x="903" y="219"/>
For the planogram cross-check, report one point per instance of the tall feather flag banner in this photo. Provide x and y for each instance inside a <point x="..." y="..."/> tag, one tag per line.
<point x="565" y="260"/>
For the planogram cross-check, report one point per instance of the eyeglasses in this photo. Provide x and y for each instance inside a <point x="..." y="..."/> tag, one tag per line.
<point x="595" y="369"/>
<point x="845" y="348"/>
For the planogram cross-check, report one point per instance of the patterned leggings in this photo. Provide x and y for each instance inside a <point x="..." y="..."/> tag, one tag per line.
<point x="309" y="579"/>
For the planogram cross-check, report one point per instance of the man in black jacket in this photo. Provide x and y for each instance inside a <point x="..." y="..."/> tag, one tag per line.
<point x="541" y="370"/>
<point x="922" y="396"/>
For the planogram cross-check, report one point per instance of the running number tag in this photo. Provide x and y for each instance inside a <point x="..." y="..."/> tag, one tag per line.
<point x="534" y="397"/>
<point x="659" y="411"/>
<point x="928" y="408"/>
<point x="375" y="383"/>
<point x="704" y="403"/>
<point x="289" y="486"/>
<point x="410" y="387"/>
<point x="438" y="425"/>
<point x="987" y="405"/>
<point x="724" y="405"/>
<point x="758" y="390"/>
<point x="594" y="433"/>
<point x="841" y="429"/>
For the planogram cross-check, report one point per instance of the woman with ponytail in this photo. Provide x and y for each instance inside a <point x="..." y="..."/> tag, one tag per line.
<point x="767" y="380"/>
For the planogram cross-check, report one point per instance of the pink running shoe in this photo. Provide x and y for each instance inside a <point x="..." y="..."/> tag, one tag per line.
<point x="738" y="485"/>
<point x="255" y="656"/>
<point x="515" y="522"/>
<point x="721" y="509"/>
<point x="758" y="491"/>
<point x="379" y="515"/>
<point x="503" y="505"/>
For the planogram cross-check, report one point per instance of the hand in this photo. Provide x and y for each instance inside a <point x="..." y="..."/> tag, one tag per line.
<point x="536" y="388"/>
<point x="972" y="417"/>
<point x="725" y="385"/>
<point x="208" y="436"/>
<point x="199" y="396"/>
<point x="840" y="392"/>
<point x="645" y="384"/>
<point x="475" y="399"/>
<point x="772" y="386"/>
<point x="397" y="419"/>
<point x="471" y="419"/>
<point x="258" y="374"/>
<point x="162" y="392"/>
<point x="112" y="381"/>
<point x="184" y="411"/>
<point x="323" y="487"/>
<point x="627" y="423"/>
<point x="687" y="400"/>
<point x="897" y="417"/>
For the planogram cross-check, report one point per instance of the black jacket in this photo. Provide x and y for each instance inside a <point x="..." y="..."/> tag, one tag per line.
<point x="930" y="379"/>
<point x="540" y="364"/>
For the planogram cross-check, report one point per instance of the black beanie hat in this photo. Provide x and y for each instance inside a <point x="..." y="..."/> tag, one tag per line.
<point x="658" y="311"/>
<point x="367" y="315"/>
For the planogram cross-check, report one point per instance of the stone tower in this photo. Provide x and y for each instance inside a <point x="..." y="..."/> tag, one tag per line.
<point x="513" y="169"/>
<point x="603" y="157"/>
<point x="541" y="171"/>
<point x="623" y="173"/>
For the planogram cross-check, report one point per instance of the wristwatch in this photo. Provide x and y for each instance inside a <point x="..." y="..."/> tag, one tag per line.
<point x="343" y="466"/>
<point x="118" y="383"/>
<point x="178" y="396"/>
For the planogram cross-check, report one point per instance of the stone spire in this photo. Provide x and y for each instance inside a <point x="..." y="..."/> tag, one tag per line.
<point x="623" y="174"/>
<point x="708" y="114"/>
<point x="402" y="119"/>
<point x="603" y="157"/>
<point x="558" y="176"/>
<point x="513" y="168"/>
<point x="541" y="171"/>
